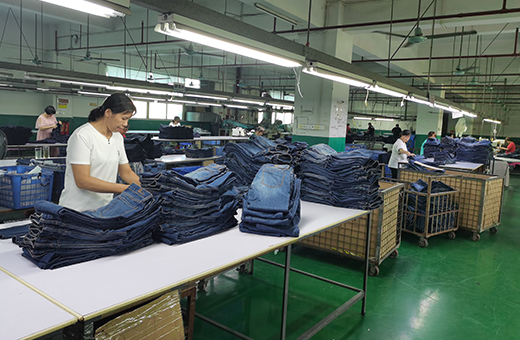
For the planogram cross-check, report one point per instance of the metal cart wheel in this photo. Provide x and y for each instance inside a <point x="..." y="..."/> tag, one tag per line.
<point x="423" y="243"/>
<point x="475" y="237"/>
<point x="394" y="254"/>
<point x="373" y="270"/>
<point x="451" y="235"/>
<point x="493" y="230"/>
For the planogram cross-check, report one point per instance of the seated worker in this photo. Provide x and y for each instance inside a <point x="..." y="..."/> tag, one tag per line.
<point x="260" y="131"/>
<point x="510" y="146"/>
<point x="431" y="134"/>
<point x="175" y="122"/>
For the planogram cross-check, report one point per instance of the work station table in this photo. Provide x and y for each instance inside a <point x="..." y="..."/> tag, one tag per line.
<point x="100" y="288"/>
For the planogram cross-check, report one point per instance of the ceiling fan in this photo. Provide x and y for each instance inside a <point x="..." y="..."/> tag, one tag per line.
<point x="88" y="56"/>
<point x="419" y="37"/>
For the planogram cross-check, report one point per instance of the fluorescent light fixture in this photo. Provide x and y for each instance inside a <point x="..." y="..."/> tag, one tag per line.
<point x="95" y="7"/>
<point x="66" y="81"/>
<point x="334" y="77"/>
<point x="237" y="107"/>
<point x="385" y="119"/>
<point x="209" y="104"/>
<point x="363" y="118"/>
<point x="147" y="98"/>
<point x="181" y="33"/>
<point x="254" y="102"/>
<point x="441" y="107"/>
<point x="275" y="14"/>
<point x="491" y="121"/>
<point x="379" y="89"/>
<point x="182" y="101"/>
<point x="5" y="85"/>
<point x="144" y="91"/>
<point x="418" y="100"/>
<point x="456" y="114"/>
<point x="205" y="97"/>
<point x="469" y="114"/>
<point x="95" y="94"/>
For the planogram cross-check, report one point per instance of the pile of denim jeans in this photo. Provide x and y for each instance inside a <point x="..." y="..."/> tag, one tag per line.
<point x="515" y="155"/>
<point x="199" y="153"/>
<point x="444" y="205"/>
<point x="59" y="236"/>
<point x="443" y="158"/>
<point x="197" y="205"/>
<point x="345" y="179"/>
<point x="175" y="132"/>
<point x="272" y="204"/>
<point x="476" y="152"/>
<point x="431" y="146"/>
<point x="449" y="144"/>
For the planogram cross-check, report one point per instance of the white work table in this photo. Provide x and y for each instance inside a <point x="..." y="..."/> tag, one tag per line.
<point x="180" y="159"/>
<point x="27" y="314"/>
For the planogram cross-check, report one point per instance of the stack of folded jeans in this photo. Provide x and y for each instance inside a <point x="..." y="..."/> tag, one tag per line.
<point x="431" y="146"/>
<point x="476" y="152"/>
<point x="272" y="204"/>
<point x="199" y="153"/>
<point x="440" y="207"/>
<point x="345" y="179"/>
<point x="449" y="144"/>
<point x="60" y="236"/>
<point x="197" y="205"/>
<point x="443" y="157"/>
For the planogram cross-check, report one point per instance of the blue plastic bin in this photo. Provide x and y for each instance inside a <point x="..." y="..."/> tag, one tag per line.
<point x="186" y="169"/>
<point x="19" y="190"/>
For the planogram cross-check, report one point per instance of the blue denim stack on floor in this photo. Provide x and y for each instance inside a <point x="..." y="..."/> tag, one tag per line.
<point x="449" y="144"/>
<point x="476" y="152"/>
<point x="438" y="205"/>
<point x="60" y="236"/>
<point x="272" y="204"/>
<point x="345" y="179"/>
<point x="197" y="205"/>
<point x="431" y="146"/>
<point x="245" y="159"/>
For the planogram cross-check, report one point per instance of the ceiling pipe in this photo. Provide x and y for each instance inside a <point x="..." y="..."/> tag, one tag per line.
<point x="401" y="21"/>
<point x="464" y="75"/>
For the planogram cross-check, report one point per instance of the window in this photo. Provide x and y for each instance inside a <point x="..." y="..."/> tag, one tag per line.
<point x="141" y="109"/>
<point x="286" y="117"/>
<point x="157" y="110"/>
<point x="175" y="110"/>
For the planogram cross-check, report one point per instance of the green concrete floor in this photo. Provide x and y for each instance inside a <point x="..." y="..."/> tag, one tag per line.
<point x="453" y="289"/>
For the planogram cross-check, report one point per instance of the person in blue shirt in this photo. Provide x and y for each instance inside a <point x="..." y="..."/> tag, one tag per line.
<point x="431" y="134"/>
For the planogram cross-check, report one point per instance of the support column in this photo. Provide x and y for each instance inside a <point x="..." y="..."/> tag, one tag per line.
<point x="321" y="115"/>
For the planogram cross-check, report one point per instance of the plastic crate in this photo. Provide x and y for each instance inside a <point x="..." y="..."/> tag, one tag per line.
<point x="58" y="166"/>
<point x="186" y="169"/>
<point x="154" y="166"/>
<point x="19" y="189"/>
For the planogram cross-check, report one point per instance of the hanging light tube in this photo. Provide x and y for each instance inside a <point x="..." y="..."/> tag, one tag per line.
<point x="171" y="29"/>
<point x="363" y="118"/>
<point x="329" y="75"/>
<point x="491" y="121"/>
<point x="254" y="102"/>
<point x="237" y="107"/>
<point x="95" y="7"/>
<point x="418" y="100"/>
<point x="208" y="104"/>
<point x="379" y="89"/>
<point x="386" y="119"/>
<point x="472" y="115"/>
<point x="441" y="107"/>
<point x="181" y="101"/>
<point x="94" y="94"/>
<point x="205" y="97"/>
<point x="144" y="91"/>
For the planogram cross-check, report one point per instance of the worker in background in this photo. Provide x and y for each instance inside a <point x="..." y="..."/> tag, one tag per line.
<point x="175" y="122"/>
<point x="260" y="131"/>
<point x="400" y="152"/>
<point x="96" y="155"/>
<point x="510" y="146"/>
<point x="431" y="134"/>
<point x="370" y="131"/>
<point x="396" y="131"/>
<point x="349" y="130"/>
<point x="45" y="123"/>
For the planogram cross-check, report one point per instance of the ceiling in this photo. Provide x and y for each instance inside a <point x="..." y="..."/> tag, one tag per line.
<point x="489" y="80"/>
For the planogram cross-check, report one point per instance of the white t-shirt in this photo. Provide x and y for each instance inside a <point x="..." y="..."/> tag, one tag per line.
<point x="396" y="156"/>
<point x="88" y="146"/>
<point x="172" y="124"/>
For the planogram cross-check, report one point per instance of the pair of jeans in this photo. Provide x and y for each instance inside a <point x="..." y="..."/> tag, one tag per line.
<point x="60" y="236"/>
<point x="475" y="152"/>
<point x="272" y="204"/>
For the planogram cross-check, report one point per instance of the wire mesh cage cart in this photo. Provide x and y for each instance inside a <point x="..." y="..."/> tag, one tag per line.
<point x="348" y="239"/>
<point x="434" y="210"/>
<point x="481" y="198"/>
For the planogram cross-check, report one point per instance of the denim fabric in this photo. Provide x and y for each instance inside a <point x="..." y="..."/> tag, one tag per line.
<point x="438" y="204"/>
<point x="449" y="144"/>
<point x="14" y="231"/>
<point x="199" y="153"/>
<point x="431" y="146"/>
<point x="177" y="132"/>
<point x="196" y="205"/>
<point x="60" y="236"/>
<point x="345" y="179"/>
<point x="476" y="152"/>
<point x="417" y="167"/>
<point x="272" y="204"/>
<point x="443" y="157"/>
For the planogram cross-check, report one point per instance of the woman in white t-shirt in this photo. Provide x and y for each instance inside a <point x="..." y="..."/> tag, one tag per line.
<point x="400" y="152"/>
<point x="175" y="122"/>
<point x="96" y="155"/>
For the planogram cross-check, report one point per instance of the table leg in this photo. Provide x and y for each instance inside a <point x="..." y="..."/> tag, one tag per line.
<point x="191" y="295"/>
<point x="285" y="299"/>
<point x="367" y="254"/>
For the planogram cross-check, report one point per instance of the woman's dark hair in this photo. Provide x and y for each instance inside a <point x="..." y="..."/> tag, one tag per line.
<point x="50" y="110"/>
<point x="117" y="102"/>
<point x="406" y="133"/>
<point x="431" y="133"/>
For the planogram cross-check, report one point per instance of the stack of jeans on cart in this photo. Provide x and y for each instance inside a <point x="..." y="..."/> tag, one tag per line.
<point x="345" y="179"/>
<point x="438" y="204"/>
<point x="449" y="144"/>
<point x="474" y="152"/>
<point x="60" y="236"/>
<point x="272" y="204"/>
<point x="443" y="157"/>
<point x="431" y="146"/>
<point x="197" y="205"/>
